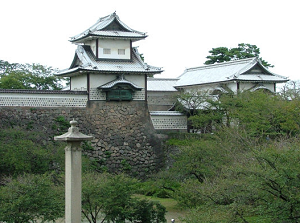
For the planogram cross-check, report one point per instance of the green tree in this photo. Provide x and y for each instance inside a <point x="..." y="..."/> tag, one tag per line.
<point x="22" y="152"/>
<point x="199" y="109"/>
<point x="29" y="76"/>
<point x="93" y="195"/>
<point x="245" y="180"/>
<point x="190" y="102"/>
<point x="218" y="55"/>
<point x="110" y="198"/>
<point x="276" y="174"/>
<point x="192" y="160"/>
<point x="259" y="114"/>
<point x="30" y="198"/>
<point x="243" y="51"/>
<point x="290" y="91"/>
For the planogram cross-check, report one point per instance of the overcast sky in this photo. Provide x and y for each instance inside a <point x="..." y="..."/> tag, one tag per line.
<point x="180" y="33"/>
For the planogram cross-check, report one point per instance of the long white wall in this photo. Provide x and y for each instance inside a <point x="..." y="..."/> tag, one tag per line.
<point x="168" y="120"/>
<point x="53" y="99"/>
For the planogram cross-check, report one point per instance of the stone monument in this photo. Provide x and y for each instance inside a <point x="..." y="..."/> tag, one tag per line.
<point x="73" y="172"/>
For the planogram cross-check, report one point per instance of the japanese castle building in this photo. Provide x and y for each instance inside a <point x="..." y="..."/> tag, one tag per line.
<point x="228" y="77"/>
<point x="109" y="68"/>
<point x="106" y="65"/>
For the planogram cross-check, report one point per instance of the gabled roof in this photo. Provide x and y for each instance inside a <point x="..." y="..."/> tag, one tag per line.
<point x="161" y="84"/>
<point x="119" y="81"/>
<point x="109" y="27"/>
<point x="85" y="60"/>
<point x="238" y="70"/>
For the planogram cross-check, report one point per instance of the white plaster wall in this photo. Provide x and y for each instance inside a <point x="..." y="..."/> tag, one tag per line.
<point x="42" y="100"/>
<point x="97" y="80"/>
<point x="114" y="45"/>
<point x="169" y="122"/>
<point x="232" y="86"/>
<point x="138" y="79"/>
<point x="79" y="83"/>
<point x="92" y="43"/>
<point x="139" y="95"/>
<point x="246" y="86"/>
<point x="96" y="94"/>
<point x="199" y="88"/>
<point x="249" y="85"/>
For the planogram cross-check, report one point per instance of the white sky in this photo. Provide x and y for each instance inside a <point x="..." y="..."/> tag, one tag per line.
<point x="180" y="33"/>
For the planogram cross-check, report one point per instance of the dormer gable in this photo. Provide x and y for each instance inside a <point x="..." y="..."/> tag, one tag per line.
<point x="109" y="38"/>
<point x="119" y="89"/>
<point x="257" y="69"/>
<point x="115" y="26"/>
<point x="109" y="27"/>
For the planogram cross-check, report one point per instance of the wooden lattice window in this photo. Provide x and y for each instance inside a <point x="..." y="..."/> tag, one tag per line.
<point x="119" y="95"/>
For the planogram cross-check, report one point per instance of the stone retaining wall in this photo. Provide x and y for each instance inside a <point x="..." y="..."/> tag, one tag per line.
<point x="125" y="139"/>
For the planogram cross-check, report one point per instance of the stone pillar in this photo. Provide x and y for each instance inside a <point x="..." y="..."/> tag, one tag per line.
<point x="73" y="172"/>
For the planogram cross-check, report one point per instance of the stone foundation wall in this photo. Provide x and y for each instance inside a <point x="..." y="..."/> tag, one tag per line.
<point x="125" y="139"/>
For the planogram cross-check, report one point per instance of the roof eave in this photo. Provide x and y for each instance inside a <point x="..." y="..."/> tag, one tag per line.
<point x="79" y="40"/>
<point x="189" y="85"/>
<point x="78" y="70"/>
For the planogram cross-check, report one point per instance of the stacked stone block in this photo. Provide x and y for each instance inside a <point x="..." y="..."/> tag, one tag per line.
<point x="125" y="139"/>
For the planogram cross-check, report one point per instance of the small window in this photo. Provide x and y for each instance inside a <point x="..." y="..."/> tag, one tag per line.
<point x="106" y="51"/>
<point x="121" y="51"/>
<point x="119" y="95"/>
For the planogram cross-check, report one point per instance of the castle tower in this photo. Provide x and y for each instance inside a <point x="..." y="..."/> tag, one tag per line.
<point x="111" y="71"/>
<point x="106" y="65"/>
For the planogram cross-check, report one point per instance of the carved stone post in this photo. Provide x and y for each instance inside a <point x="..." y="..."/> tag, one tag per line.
<point x="73" y="172"/>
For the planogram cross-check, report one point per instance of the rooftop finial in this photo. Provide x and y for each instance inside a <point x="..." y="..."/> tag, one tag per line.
<point x="73" y="123"/>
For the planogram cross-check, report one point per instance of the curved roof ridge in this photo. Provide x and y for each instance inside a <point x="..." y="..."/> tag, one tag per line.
<point x="102" y="23"/>
<point x="266" y="69"/>
<point x="84" y="57"/>
<point x="250" y="65"/>
<point x="127" y="27"/>
<point x="226" y="63"/>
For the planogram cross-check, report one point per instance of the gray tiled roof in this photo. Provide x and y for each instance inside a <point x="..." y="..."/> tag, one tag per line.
<point x="88" y="62"/>
<point x="99" y="29"/>
<point x="161" y="84"/>
<point x="120" y="80"/>
<point x="228" y="71"/>
<point x="170" y="113"/>
<point x="29" y="91"/>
